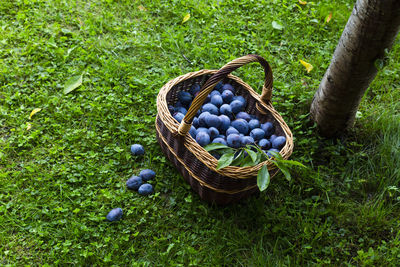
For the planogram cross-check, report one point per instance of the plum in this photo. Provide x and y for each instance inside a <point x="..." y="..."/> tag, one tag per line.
<point x="195" y="89"/>
<point x="264" y="144"/>
<point x="254" y="123"/>
<point x="185" y="98"/>
<point x="247" y="140"/>
<point x="234" y="140"/>
<point x="114" y="215"/>
<point x="229" y="87"/>
<point x="213" y="132"/>
<point x="210" y="108"/>
<point x="202" y="119"/>
<point x="225" y="122"/>
<point x="236" y="106"/>
<point x="268" y="128"/>
<point x="231" y="130"/>
<point x="202" y="138"/>
<point x="279" y="142"/>
<point x="257" y="134"/>
<point x="213" y="121"/>
<point x="227" y="96"/>
<point x="219" y="140"/>
<point x="178" y="116"/>
<point x="241" y="125"/>
<point x="216" y="100"/>
<point x="147" y="174"/>
<point x="134" y="182"/>
<point x="145" y="189"/>
<point x="137" y="149"/>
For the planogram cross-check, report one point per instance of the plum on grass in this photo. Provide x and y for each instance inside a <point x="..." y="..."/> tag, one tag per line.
<point x="147" y="174"/>
<point x="134" y="182"/>
<point x="114" y="215"/>
<point x="137" y="149"/>
<point x="202" y="138"/>
<point x="145" y="189"/>
<point x="234" y="140"/>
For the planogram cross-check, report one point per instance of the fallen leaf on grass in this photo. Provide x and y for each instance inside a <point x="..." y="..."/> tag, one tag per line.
<point x="308" y="66"/>
<point x="72" y="83"/>
<point x="28" y="126"/>
<point x="142" y="8"/>
<point x="302" y="2"/>
<point x="34" y="111"/>
<point x="277" y="26"/>
<point x="328" y="18"/>
<point x="186" y="18"/>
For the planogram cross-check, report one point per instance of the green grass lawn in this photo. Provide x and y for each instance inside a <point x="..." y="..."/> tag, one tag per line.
<point x="59" y="179"/>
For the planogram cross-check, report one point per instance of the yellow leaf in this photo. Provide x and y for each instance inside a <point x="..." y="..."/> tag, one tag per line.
<point x="329" y="17"/>
<point x="28" y="126"/>
<point x="142" y="8"/>
<point x="186" y="18"/>
<point x="308" y="66"/>
<point x="36" y="110"/>
<point x="302" y="2"/>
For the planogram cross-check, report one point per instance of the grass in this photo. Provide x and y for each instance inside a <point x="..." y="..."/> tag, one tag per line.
<point x="59" y="179"/>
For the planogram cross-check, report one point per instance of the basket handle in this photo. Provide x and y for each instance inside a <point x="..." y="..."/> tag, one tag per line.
<point x="209" y="85"/>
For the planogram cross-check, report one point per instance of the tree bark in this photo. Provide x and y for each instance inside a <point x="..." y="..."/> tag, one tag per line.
<point x="370" y="30"/>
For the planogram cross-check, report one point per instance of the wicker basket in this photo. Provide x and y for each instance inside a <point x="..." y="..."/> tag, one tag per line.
<point x="197" y="166"/>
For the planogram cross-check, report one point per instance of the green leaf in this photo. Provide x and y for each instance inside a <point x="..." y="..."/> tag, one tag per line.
<point x="276" y="155"/>
<point x="247" y="161"/>
<point x="277" y="26"/>
<point x="292" y="162"/>
<point x="214" y="146"/>
<point x="238" y="159"/>
<point x="225" y="160"/>
<point x="284" y="170"/>
<point x="252" y="154"/>
<point x="263" y="178"/>
<point x="72" y="83"/>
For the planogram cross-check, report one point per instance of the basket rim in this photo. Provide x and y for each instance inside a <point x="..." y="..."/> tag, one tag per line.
<point x="204" y="156"/>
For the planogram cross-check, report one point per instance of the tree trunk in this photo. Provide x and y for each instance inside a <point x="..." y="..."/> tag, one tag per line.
<point x="371" y="29"/>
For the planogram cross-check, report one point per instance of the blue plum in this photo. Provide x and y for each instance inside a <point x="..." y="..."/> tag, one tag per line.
<point x="134" y="182"/>
<point x="220" y="140"/>
<point x="254" y="123"/>
<point x="227" y="96"/>
<point x="213" y="132"/>
<point x="225" y="109"/>
<point x="236" y="106"/>
<point x="279" y="142"/>
<point x="202" y="119"/>
<point x="192" y="131"/>
<point x="171" y="109"/>
<point x="145" y="189"/>
<point x="216" y="100"/>
<point x="195" y="89"/>
<point x="137" y="149"/>
<point x="213" y="121"/>
<point x="231" y="130"/>
<point x="202" y="129"/>
<point x="229" y="87"/>
<point x="210" y="108"/>
<point x="147" y="174"/>
<point x="257" y="134"/>
<point x="114" y="215"/>
<point x="264" y="144"/>
<point x="243" y="115"/>
<point x="195" y="122"/>
<point x="219" y="86"/>
<point x="203" y="138"/>
<point x="247" y="140"/>
<point x="234" y="140"/>
<point x="215" y="92"/>
<point x="225" y="122"/>
<point x="268" y="128"/>
<point x="241" y="125"/>
<point x="185" y="98"/>
<point x="179" y="116"/>
<point x="181" y="110"/>
<point x="272" y="138"/>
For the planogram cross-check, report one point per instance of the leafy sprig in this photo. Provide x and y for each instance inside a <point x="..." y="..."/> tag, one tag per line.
<point x="251" y="155"/>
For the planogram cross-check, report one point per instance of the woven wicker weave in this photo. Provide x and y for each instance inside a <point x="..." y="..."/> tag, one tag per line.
<point x="197" y="166"/>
